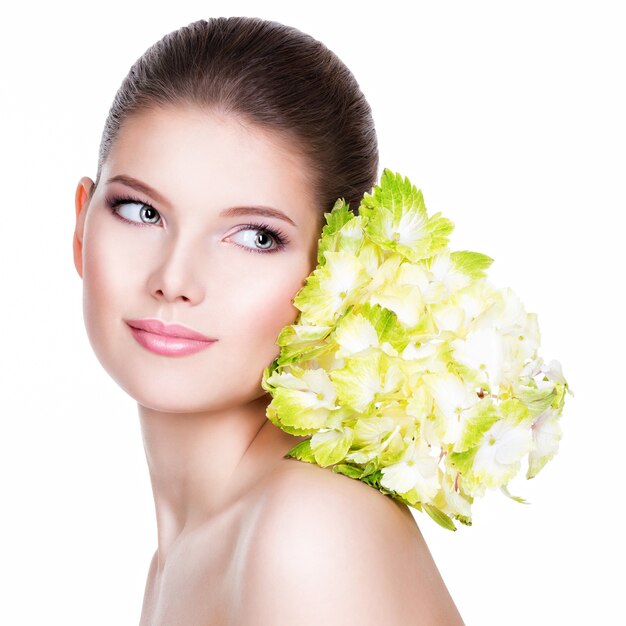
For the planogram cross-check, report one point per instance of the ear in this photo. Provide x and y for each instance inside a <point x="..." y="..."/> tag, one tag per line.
<point x="83" y="190"/>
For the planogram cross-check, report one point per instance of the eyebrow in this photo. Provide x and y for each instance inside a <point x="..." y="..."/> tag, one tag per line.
<point x="234" y="211"/>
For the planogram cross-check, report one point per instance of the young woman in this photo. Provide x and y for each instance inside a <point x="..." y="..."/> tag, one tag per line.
<point x="224" y="146"/>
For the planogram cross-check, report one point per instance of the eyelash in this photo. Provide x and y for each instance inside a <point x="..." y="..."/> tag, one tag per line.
<point x="114" y="203"/>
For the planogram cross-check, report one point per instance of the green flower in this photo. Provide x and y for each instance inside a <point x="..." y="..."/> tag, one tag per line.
<point x="406" y="368"/>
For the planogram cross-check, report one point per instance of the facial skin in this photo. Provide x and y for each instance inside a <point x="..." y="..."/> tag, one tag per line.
<point x="191" y="267"/>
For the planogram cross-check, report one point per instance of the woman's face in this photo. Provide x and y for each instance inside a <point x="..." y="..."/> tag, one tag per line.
<point x="194" y="252"/>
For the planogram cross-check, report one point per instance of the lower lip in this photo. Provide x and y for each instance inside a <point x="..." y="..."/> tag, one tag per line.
<point x="167" y="345"/>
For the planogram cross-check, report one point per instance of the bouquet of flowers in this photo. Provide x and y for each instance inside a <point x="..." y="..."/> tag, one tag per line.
<point x="406" y="369"/>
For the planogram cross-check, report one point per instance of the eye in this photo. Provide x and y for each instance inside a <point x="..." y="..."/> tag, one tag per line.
<point x="134" y="211"/>
<point x="261" y="238"/>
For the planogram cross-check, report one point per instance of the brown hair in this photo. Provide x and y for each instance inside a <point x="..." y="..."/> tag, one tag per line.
<point x="273" y="76"/>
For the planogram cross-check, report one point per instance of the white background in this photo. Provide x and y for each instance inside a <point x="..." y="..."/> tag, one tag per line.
<point x="510" y="118"/>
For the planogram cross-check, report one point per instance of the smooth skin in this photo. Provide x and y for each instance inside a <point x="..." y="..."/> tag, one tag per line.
<point x="245" y="536"/>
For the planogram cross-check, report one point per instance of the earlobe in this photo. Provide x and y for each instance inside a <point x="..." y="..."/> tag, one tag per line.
<point x="81" y="201"/>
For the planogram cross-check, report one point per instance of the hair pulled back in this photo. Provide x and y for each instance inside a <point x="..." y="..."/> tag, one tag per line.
<point x="271" y="75"/>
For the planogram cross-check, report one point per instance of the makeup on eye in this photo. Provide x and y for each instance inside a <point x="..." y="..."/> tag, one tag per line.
<point x="280" y="239"/>
<point x="117" y="202"/>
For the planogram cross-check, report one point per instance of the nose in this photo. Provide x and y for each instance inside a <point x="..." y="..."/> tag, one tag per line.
<point x="177" y="274"/>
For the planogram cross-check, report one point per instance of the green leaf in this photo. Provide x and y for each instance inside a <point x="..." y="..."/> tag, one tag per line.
<point x="331" y="446"/>
<point x="386" y="324"/>
<point x="514" y="410"/>
<point x="471" y="263"/>
<point x="398" y="221"/>
<point x="373" y="478"/>
<point x="394" y="193"/>
<point x="356" y="380"/>
<point x="463" y="461"/>
<point x="536" y="400"/>
<point x="479" y="419"/>
<point x="347" y="470"/>
<point x="507" y="493"/>
<point x="302" y="451"/>
<point x="339" y="215"/>
<point x="439" y="516"/>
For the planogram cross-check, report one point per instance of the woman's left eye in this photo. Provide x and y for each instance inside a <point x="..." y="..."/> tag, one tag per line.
<point x="134" y="211"/>
<point x="258" y="238"/>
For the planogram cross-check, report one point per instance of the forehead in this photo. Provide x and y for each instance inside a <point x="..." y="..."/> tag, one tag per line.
<point x="194" y="156"/>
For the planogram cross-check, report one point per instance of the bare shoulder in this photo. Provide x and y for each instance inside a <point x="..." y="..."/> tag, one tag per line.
<point x="331" y="550"/>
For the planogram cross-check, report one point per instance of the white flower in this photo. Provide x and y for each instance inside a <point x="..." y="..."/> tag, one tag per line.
<point x="416" y="471"/>
<point x="452" y="398"/>
<point x="499" y="455"/>
<point x="546" y="432"/>
<point x="407" y="368"/>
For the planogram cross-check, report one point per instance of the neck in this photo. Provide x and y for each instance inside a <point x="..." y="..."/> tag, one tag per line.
<point x="200" y="462"/>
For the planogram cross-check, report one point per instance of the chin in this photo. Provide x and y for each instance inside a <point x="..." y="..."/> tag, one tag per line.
<point x="172" y="392"/>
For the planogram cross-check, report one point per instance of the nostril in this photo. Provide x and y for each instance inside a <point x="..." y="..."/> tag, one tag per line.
<point x="178" y="294"/>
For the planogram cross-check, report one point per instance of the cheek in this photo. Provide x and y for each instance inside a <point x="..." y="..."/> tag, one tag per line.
<point x="267" y="304"/>
<point x="105" y="289"/>
<point x="96" y="282"/>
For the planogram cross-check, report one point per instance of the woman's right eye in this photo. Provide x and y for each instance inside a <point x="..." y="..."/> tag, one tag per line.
<point x="134" y="211"/>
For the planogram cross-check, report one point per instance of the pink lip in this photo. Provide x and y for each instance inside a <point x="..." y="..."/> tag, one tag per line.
<point x="168" y="339"/>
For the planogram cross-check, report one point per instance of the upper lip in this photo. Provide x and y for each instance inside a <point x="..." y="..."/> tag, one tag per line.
<point x="153" y="325"/>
